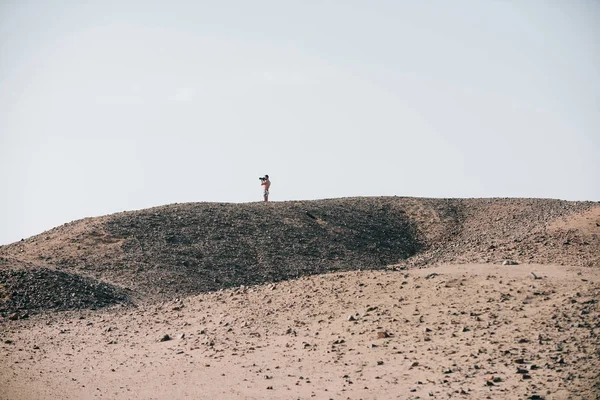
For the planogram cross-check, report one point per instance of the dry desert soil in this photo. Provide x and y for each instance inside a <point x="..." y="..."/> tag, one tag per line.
<point x="354" y="298"/>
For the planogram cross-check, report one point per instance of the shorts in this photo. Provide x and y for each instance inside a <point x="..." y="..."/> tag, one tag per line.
<point x="266" y="193"/>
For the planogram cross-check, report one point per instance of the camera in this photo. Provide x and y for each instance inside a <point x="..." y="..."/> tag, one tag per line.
<point x="263" y="178"/>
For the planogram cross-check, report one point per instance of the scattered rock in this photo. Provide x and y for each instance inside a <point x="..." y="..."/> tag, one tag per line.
<point x="164" y="338"/>
<point x="521" y="371"/>
<point x="534" y="276"/>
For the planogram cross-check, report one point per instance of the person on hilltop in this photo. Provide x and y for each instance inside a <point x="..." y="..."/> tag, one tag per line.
<point x="264" y="181"/>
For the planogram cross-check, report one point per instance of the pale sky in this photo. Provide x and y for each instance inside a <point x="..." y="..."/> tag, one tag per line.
<point x="110" y="106"/>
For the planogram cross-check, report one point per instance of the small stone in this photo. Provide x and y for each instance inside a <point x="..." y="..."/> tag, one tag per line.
<point x="379" y="362"/>
<point x="290" y="331"/>
<point x="13" y="316"/>
<point x="165" y="338"/>
<point x="510" y="262"/>
<point x="351" y="318"/>
<point x="382" y="335"/>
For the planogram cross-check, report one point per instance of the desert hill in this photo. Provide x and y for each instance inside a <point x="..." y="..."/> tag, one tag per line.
<point x="192" y="248"/>
<point x="359" y="298"/>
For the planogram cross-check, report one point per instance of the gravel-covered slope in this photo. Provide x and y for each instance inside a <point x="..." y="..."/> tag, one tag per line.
<point x="525" y="230"/>
<point x="183" y="249"/>
<point x="35" y="289"/>
<point x="192" y="248"/>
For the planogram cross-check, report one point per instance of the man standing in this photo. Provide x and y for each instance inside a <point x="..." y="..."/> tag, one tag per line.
<point x="267" y="184"/>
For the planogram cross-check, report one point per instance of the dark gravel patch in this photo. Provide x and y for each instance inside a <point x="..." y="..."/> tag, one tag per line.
<point x="200" y="247"/>
<point x="46" y="289"/>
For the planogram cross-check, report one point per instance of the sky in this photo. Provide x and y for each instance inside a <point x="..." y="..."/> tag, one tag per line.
<point x="108" y="106"/>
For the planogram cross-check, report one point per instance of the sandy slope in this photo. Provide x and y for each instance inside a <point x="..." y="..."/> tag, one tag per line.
<point x="462" y="333"/>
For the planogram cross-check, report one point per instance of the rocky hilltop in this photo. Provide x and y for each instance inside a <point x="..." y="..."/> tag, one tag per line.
<point x="183" y="249"/>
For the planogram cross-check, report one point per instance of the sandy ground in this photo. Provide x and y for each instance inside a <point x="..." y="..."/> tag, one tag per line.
<point x="455" y="331"/>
